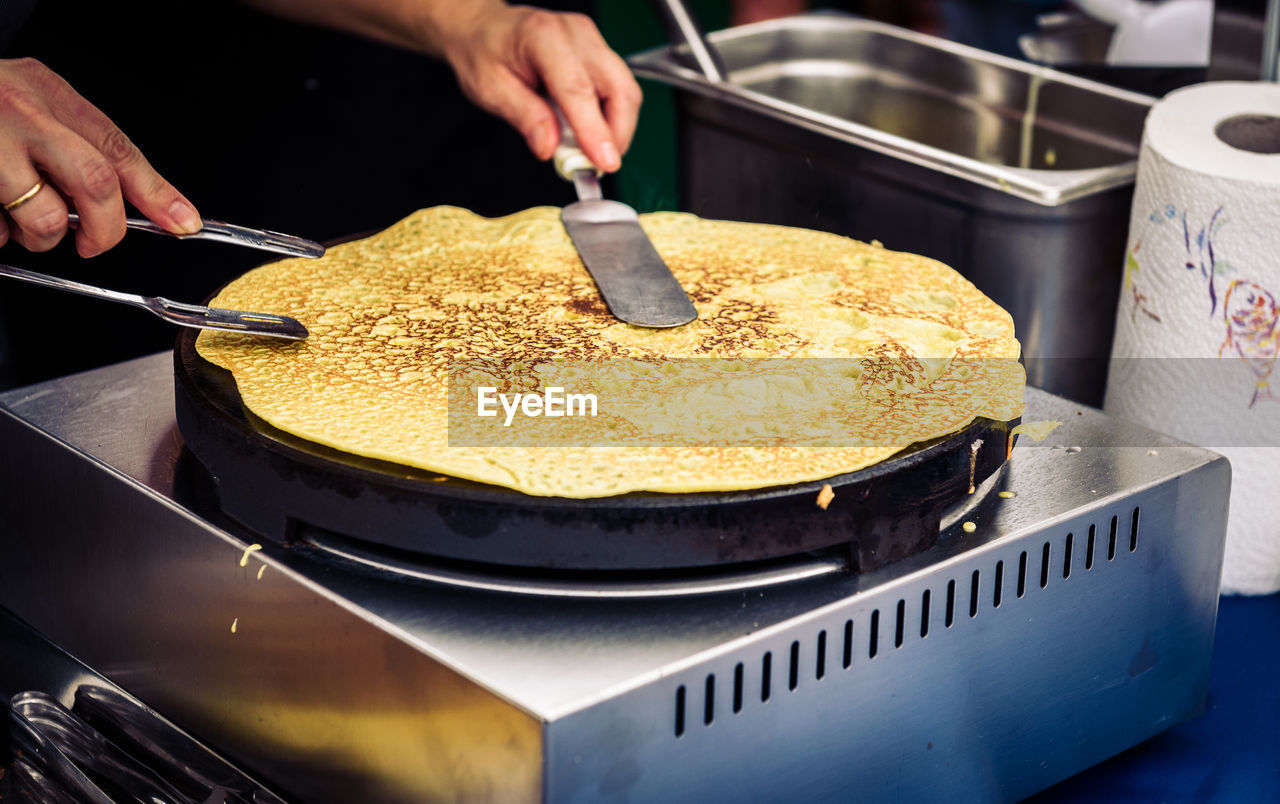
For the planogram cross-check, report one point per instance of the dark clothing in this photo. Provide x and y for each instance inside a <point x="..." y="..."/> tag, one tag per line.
<point x="13" y="13"/>
<point x="260" y="122"/>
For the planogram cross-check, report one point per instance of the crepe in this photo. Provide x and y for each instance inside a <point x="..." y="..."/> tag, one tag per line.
<point x="813" y="355"/>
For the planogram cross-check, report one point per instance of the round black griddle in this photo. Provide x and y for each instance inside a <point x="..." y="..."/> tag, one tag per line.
<point x="285" y="488"/>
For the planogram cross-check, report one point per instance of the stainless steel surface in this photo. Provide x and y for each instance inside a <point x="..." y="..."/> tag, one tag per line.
<point x="635" y="283"/>
<point x="261" y="239"/>
<point x="343" y="684"/>
<point x="683" y="30"/>
<point x="187" y="315"/>
<point x="1018" y="176"/>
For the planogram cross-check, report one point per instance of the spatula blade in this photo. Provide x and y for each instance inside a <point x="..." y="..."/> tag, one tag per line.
<point x="636" y="284"/>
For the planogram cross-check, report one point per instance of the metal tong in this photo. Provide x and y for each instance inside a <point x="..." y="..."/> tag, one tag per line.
<point x="192" y="315"/>
<point x="109" y="743"/>
<point x="59" y="746"/>
<point x="263" y="239"/>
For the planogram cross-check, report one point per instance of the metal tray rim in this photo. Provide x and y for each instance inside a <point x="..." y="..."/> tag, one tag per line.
<point x="1043" y="187"/>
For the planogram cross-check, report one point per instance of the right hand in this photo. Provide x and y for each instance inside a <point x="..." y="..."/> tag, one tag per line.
<point x="49" y="133"/>
<point x="505" y="56"/>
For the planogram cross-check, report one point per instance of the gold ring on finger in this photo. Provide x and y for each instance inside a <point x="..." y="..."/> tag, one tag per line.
<point x="25" y="197"/>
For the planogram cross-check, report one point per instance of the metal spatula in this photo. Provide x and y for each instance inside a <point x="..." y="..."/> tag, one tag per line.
<point x="187" y="315"/>
<point x="636" y="284"/>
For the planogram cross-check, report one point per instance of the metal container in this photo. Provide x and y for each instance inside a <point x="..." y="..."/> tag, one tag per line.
<point x="1018" y="176"/>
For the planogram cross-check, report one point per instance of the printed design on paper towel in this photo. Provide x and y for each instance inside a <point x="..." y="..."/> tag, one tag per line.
<point x="1249" y="311"/>
<point x="1253" y="332"/>
<point x="1131" y="267"/>
<point x="1200" y="254"/>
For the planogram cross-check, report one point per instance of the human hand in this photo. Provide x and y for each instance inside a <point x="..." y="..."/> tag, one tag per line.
<point x="506" y="56"/>
<point x="50" y="134"/>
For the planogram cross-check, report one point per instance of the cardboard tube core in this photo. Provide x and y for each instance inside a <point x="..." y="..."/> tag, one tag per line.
<point x="1258" y="133"/>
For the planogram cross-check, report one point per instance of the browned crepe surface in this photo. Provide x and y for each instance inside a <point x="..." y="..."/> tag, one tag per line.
<point x="913" y="351"/>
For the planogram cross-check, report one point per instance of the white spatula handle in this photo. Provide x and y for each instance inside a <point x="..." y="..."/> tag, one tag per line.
<point x="569" y="158"/>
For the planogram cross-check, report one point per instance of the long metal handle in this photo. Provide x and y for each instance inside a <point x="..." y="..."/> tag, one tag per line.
<point x="187" y="315"/>
<point x="58" y="283"/>
<point x="262" y="239"/>
<point x="682" y="28"/>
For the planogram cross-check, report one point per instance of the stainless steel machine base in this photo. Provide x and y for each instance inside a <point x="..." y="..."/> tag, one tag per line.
<point x="1074" y="621"/>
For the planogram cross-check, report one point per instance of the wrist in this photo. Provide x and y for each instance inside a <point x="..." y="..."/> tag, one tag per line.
<point x="448" y="26"/>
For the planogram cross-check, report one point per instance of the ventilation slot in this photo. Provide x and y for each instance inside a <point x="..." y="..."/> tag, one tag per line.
<point x="820" y="665"/>
<point x="766" y="673"/>
<point x="924" y="614"/>
<point x="709" y="710"/>
<point x="847" y="661"/>
<point x="995" y="597"/>
<point x="1066" y="557"/>
<point x="737" y="688"/>
<point x="900" y="628"/>
<point x="1044" y="566"/>
<point x="973" y="593"/>
<point x="1133" y="532"/>
<point x="1111" y="544"/>
<point x="680" y="695"/>
<point x="1022" y="574"/>
<point x="1088" y="550"/>
<point x="793" y="679"/>
<point x="951" y="603"/>
<point x="875" y="634"/>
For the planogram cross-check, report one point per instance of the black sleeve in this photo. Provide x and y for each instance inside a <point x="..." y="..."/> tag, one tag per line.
<point x="13" y="13"/>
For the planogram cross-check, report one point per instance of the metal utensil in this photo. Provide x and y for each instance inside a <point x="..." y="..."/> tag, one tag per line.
<point x="144" y="736"/>
<point x="80" y="752"/>
<point x="682" y="28"/>
<point x="49" y="737"/>
<point x="636" y="284"/>
<point x="262" y="239"/>
<point x="187" y="315"/>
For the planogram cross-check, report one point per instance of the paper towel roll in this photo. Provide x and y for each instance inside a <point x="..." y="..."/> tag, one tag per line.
<point x="1197" y="335"/>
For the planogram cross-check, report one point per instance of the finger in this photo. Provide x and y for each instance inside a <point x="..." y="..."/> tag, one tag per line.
<point x="135" y="178"/>
<point x="89" y="184"/>
<point x="556" y="50"/>
<point x="574" y="91"/>
<point x="622" y="99"/>
<point x="143" y="186"/>
<point x="39" y="222"/>
<point x="619" y="94"/>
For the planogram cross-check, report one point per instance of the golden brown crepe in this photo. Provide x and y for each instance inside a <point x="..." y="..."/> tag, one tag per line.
<point x="912" y="351"/>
